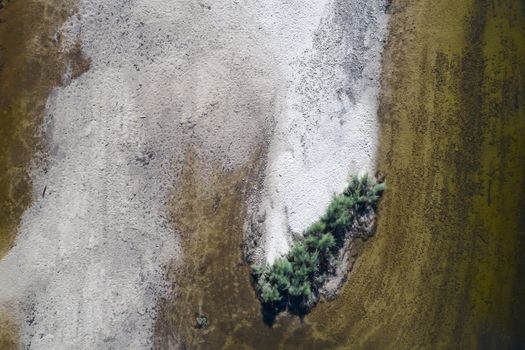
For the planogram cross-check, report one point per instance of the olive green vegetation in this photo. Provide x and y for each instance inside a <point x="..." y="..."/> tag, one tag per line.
<point x="293" y="282"/>
<point x="445" y="267"/>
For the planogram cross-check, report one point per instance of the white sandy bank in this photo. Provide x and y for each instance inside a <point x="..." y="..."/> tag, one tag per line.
<point x="327" y="126"/>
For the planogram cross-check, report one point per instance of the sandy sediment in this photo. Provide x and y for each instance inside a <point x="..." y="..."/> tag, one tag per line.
<point x="326" y="128"/>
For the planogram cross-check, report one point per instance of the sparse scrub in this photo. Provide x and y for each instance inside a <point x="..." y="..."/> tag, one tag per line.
<point x="293" y="281"/>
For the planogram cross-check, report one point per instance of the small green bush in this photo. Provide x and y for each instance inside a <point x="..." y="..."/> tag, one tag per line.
<point x="270" y="294"/>
<point x="338" y="217"/>
<point x="326" y="243"/>
<point x="202" y="321"/>
<point x="293" y="281"/>
<point x="316" y="228"/>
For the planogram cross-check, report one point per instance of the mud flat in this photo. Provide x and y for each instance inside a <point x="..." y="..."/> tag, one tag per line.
<point x="445" y="265"/>
<point x="9" y="334"/>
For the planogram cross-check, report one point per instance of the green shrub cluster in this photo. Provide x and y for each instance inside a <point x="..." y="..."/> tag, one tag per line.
<point x="292" y="282"/>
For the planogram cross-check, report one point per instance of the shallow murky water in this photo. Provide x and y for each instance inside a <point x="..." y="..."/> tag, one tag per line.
<point x="214" y="280"/>
<point x="8" y="334"/>
<point x="453" y="151"/>
<point x="31" y="65"/>
<point x="444" y="268"/>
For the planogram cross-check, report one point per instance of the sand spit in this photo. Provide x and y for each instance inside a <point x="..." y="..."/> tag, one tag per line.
<point x="326" y="128"/>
